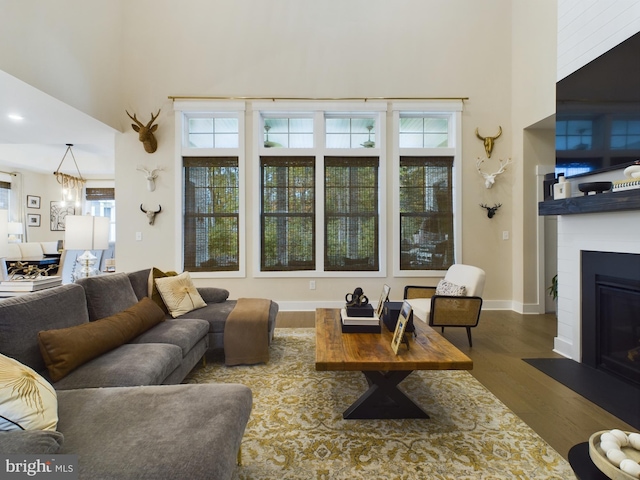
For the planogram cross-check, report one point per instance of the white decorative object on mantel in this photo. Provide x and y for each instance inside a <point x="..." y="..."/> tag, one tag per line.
<point x="562" y="189"/>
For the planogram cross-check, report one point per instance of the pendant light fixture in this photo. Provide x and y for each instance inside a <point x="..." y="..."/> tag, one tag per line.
<point x="71" y="185"/>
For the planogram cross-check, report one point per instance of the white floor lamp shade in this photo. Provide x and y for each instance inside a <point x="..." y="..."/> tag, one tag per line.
<point x="85" y="232"/>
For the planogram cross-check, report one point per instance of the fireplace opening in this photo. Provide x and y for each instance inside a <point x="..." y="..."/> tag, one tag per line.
<point x="611" y="313"/>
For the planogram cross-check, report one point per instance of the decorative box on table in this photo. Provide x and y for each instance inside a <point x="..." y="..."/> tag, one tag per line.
<point x="359" y="324"/>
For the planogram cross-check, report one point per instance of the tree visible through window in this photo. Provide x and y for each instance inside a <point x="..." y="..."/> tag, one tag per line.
<point x="426" y="213"/>
<point x="211" y="216"/>
<point x="288" y="213"/>
<point x="351" y="213"/>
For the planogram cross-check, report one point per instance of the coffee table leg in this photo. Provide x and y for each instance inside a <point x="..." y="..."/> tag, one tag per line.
<point x="384" y="399"/>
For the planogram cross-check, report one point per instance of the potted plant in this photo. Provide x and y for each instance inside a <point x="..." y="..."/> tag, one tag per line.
<point x="553" y="288"/>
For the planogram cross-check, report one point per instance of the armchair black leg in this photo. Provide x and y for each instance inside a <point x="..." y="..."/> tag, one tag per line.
<point x="469" y="336"/>
<point x="442" y="329"/>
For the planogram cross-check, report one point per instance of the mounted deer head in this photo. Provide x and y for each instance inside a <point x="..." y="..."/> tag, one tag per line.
<point x="145" y="132"/>
<point x="491" y="211"/>
<point x="488" y="141"/>
<point x="151" y="176"/>
<point x="151" y="215"/>
<point x="490" y="178"/>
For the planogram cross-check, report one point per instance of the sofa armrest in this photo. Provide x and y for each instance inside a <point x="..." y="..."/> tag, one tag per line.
<point x="213" y="294"/>
<point x="418" y="291"/>
<point x="30" y="442"/>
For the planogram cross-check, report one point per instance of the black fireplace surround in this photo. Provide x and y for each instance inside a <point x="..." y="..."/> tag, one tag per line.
<point x="611" y="313"/>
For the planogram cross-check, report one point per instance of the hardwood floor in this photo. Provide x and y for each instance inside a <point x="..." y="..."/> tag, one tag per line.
<point x="500" y="342"/>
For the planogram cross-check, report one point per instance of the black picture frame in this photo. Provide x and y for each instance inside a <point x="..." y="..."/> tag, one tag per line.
<point x="33" y="201"/>
<point x="58" y="215"/>
<point x="33" y="219"/>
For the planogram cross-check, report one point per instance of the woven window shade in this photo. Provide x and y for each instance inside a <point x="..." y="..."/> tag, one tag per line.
<point x="93" y="194"/>
<point x="287" y="213"/>
<point x="426" y="213"/>
<point x="351" y="214"/>
<point x="211" y="214"/>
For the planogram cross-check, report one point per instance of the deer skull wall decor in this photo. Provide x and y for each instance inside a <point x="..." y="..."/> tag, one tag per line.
<point x="488" y="141"/>
<point x="145" y="132"/>
<point x="491" y="211"/>
<point x="490" y="178"/>
<point x="151" y="176"/>
<point x="151" y="215"/>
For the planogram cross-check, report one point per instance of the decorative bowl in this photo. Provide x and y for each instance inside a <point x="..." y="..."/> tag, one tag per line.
<point x="597" y="187"/>
<point x="600" y="460"/>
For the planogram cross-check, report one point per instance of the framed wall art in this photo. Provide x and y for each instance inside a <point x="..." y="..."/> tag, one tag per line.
<point x="33" y="219"/>
<point x="33" y="201"/>
<point x="59" y="212"/>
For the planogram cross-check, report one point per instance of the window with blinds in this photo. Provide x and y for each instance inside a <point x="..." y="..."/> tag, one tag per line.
<point x="211" y="214"/>
<point x="5" y="195"/>
<point x="287" y="213"/>
<point x="426" y="213"/>
<point x="351" y="214"/>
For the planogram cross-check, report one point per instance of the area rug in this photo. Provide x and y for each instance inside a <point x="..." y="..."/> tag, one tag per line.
<point x="296" y="429"/>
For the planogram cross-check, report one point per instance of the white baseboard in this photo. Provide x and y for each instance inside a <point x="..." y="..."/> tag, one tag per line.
<point x="307" y="306"/>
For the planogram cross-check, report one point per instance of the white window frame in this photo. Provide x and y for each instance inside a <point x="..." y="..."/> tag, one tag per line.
<point x="318" y="110"/>
<point x="453" y="110"/>
<point x="183" y="110"/>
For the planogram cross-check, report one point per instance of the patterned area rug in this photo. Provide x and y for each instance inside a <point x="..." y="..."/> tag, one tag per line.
<point x="296" y="429"/>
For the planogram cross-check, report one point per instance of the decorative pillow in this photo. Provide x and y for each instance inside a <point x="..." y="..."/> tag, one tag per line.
<point x="448" y="288"/>
<point x="66" y="349"/>
<point x="27" y="401"/>
<point x="154" y="294"/>
<point x="179" y="294"/>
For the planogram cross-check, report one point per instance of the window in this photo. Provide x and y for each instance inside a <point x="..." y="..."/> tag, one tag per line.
<point x="423" y="132"/>
<point x="351" y="213"/>
<point x="101" y="202"/>
<point x="574" y="134"/>
<point x="211" y="214"/>
<point x="5" y="195"/>
<point x="350" y="132"/>
<point x="288" y="213"/>
<point x="207" y="131"/>
<point x="426" y="213"/>
<point x="288" y="132"/>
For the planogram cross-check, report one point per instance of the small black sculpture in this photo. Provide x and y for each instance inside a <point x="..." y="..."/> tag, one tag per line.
<point x="356" y="299"/>
<point x="491" y="211"/>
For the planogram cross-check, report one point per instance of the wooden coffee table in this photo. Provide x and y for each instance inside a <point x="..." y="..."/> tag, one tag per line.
<point x="371" y="354"/>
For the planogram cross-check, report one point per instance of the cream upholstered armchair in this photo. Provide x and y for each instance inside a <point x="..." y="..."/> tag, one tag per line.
<point x="455" y="302"/>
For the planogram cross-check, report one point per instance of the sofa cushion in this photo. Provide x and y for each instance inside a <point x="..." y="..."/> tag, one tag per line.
<point x="27" y="401"/>
<point x="30" y="442"/>
<point x="185" y="333"/>
<point x="153" y="432"/>
<point x="66" y="349"/>
<point x="213" y="294"/>
<point x="179" y="294"/>
<point x="126" y="366"/>
<point x="216" y="314"/>
<point x="30" y="249"/>
<point x="153" y="292"/>
<point x="107" y="294"/>
<point x="21" y="318"/>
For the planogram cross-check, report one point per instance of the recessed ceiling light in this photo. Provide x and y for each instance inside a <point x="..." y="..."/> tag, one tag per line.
<point x="16" y="117"/>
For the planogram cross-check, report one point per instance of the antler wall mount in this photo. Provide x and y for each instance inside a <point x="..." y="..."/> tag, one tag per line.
<point x="491" y="211"/>
<point x="490" y="178"/>
<point x="151" y="215"/>
<point x="150" y="175"/>
<point x="145" y="132"/>
<point x="489" y="141"/>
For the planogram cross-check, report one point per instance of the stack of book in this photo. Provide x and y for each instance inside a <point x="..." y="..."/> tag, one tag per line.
<point x="29" y="284"/>
<point x="351" y="324"/>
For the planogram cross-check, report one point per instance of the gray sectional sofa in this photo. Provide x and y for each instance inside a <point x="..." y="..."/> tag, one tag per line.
<point x="146" y="425"/>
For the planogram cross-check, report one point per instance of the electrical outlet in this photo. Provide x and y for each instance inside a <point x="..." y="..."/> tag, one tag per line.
<point x="312" y="284"/>
<point x="505" y="235"/>
<point x="138" y="236"/>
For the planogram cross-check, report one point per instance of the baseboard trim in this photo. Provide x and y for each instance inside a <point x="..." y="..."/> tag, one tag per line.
<point x="307" y="306"/>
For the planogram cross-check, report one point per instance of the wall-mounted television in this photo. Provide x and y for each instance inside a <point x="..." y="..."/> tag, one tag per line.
<point x="598" y="113"/>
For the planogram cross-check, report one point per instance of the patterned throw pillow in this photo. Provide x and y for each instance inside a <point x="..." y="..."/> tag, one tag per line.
<point x="448" y="288"/>
<point x="27" y="401"/>
<point x="179" y="294"/>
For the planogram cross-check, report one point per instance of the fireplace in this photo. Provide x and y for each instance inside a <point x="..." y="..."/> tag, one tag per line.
<point x="611" y="313"/>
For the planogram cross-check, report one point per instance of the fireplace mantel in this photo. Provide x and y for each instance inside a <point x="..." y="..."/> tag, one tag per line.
<point x="603" y="202"/>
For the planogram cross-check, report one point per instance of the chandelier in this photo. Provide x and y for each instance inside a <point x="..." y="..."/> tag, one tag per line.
<point x="71" y="185"/>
